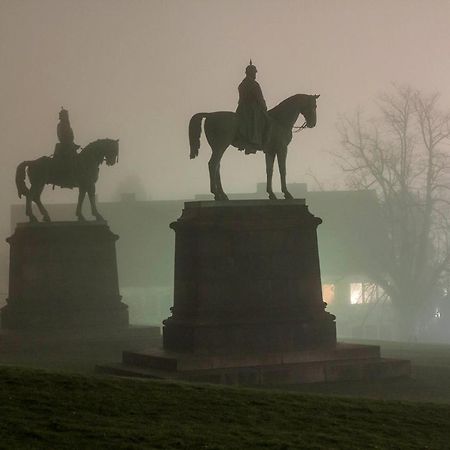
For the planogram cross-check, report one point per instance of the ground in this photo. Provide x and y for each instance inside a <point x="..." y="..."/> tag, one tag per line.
<point x="430" y="381"/>
<point x="55" y="410"/>
<point x="64" y="404"/>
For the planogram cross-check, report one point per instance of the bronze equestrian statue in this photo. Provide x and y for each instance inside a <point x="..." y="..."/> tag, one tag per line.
<point x="67" y="169"/>
<point x="252" y="128"/>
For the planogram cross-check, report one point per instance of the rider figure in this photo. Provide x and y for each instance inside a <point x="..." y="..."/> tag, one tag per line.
<point x="252" y="113"/>
<point x="65" y="151"/>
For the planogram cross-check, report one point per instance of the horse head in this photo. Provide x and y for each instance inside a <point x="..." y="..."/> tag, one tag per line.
<point x="111" y="151"/>
<point x="309" y="113"/>
<point x="102" y="150"/>
<point x="287" y="112"/>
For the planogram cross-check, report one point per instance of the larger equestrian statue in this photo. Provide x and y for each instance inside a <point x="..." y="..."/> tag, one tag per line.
<point x="252" y="128"/>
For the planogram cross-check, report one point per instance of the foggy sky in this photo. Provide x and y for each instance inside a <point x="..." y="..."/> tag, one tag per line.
<point x="138" y="70"/>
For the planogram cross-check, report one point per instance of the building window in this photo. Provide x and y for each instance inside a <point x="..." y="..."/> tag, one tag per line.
<point x="361" y="293"/>
<point x="328" y="294"/>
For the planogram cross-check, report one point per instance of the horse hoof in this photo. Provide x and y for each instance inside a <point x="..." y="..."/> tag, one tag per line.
<point x="288" y="196"/>
<point x="33" y="219"/>
<point x="99" y="218"/>
<point x="81" y="219"/>
<point x="46" y="219"/>
<point x="272" y="197"/>
<point x="220" y="197"/>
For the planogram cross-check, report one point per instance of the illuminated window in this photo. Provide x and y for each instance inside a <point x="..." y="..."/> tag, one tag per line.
<point x="356" y="293"/>
<point x="328" y="293"/>
<point x="363" y="293"/>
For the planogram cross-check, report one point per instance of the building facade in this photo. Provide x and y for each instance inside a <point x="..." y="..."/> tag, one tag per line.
<point x="351" y="241"/>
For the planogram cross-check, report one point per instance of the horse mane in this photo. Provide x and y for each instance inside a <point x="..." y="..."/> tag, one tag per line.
<point x="285" y="108"/>
<point x="97" y="143"/>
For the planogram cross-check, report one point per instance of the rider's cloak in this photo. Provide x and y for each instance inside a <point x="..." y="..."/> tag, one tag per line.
<point x="252" y="115"/>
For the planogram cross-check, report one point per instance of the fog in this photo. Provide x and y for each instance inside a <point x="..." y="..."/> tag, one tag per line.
<point x="138" y="70"/>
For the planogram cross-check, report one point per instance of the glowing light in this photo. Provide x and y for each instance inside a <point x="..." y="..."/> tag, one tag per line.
<point x="356" y="293"/>
<point x="328" y="293"/>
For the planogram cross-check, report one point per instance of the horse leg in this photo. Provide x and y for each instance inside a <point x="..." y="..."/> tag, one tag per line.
<point x="29" y="208"/>
<point x="91" y="194"/>
<point x="222" y="194"/>
<point x="281" y="157"/>
<point x="37" y="200"/>
<point x="214" y="174"/>
<point x="270" y="157"/>
<point x="81" y="195"/>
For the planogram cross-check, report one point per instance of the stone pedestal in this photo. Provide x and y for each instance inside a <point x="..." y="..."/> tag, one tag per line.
<point x="247" y="280"/>
<point x="248" y="305"/>
<point x="63" y="275"/>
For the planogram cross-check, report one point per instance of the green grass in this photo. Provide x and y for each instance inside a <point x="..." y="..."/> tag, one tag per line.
<point x="51" y="410"/>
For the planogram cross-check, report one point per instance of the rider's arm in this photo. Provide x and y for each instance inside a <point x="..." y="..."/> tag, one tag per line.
<point x="259" y="96"/>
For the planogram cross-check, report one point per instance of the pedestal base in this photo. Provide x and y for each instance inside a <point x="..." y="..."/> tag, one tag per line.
<point x="246" y="337"/>
<point x="58" y="317"/>
<point x="248" y="305"/>
<point x="247" y="279"/>
<point x="63" y="275"/>
<point x="344" y="362"/>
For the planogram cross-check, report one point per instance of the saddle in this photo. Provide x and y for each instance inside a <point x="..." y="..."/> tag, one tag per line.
<point x="254" y="130"/>
<point x="63" y="166"/>
<point x="251" y="146"/>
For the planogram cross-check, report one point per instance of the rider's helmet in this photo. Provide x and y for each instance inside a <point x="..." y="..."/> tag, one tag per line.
<point x="63" y="114"/>
<point x="250" y="69"/>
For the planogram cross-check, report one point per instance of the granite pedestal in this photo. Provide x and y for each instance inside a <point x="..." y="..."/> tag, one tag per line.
<point x="248" y="304"/>
<point x="63" y="275"/>
<point x="247" y="279"/>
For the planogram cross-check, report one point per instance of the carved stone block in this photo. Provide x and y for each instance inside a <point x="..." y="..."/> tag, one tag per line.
<point x="247" y="279"/>
<point x="63" y="275"/>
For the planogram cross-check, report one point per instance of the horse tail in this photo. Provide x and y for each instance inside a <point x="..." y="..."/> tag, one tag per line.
<point x="20" y="178"/>
<point x="195" y="130"/>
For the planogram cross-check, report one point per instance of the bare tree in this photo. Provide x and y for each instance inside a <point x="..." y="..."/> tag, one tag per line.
<point x="402" y="155"/>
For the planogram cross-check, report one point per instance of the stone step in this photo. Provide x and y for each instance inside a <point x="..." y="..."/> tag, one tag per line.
<point x="296" y="373"/>
<point x="149" y="360"/>
<point x="174" y="361"/>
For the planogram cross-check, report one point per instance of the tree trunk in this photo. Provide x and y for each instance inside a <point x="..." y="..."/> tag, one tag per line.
<point x="407" y="318"/>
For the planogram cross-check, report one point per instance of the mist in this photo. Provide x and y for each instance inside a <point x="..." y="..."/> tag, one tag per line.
<point x="339" y="288"/>
<point x="138" y="70"/>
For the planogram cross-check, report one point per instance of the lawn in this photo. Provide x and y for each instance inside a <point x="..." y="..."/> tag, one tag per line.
<point x="52" y="410"/>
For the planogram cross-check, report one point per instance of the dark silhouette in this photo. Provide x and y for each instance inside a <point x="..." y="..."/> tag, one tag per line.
<point x="248" y="305"/>
<point x="85" y="171"/>
<point x="64" y="156"/>
<point x="222" y="130"/>
<point x="75" y="283"/>
<point x="252" y="115"/>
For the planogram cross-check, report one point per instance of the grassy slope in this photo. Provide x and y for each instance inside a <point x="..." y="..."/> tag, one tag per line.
<point x="50" y="410"/>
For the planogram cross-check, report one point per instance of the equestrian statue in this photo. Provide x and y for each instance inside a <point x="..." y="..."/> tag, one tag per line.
<point x="252" y="128"/>
<point x="67" y="168"/>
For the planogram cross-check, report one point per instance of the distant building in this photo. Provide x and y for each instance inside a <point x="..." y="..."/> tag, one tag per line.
<point x="351" y="241"/>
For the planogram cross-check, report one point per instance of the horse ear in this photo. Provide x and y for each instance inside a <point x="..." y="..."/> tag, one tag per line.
<point x="317" y="96"/>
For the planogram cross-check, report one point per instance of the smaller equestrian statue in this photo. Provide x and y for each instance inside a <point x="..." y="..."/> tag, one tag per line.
<point x="67" y="169"/>
<point x="252" y="128"/>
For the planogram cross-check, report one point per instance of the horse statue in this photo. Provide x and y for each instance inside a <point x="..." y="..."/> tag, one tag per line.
<point x="85" y="173"/>
<point x="221" y="129"/>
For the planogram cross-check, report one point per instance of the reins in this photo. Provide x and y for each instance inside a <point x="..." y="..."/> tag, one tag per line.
<point x="300" y="128"/>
